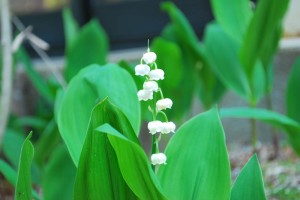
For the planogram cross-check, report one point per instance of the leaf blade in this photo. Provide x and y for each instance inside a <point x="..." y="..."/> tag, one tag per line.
<point x="200" y="171"/>
<point x="23" y="186"/>
<point x="249" y="184"/>
<point x="86" y="87"/>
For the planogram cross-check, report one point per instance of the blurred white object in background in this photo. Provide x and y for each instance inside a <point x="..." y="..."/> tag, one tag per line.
<point x="291" y="21"/>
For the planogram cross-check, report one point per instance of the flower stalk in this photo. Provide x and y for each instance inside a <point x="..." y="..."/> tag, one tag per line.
<point x="149" y="69"/>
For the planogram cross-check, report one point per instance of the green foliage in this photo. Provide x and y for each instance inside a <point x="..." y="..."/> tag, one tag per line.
<point x="260" y="43"/>
<point x="71" y="27"/>
<point x="223" y="59"/>
<point x="85" y="90"/>
<point x="86" y="46"/>
<point x="249" y="184"/>
<point x="246" y="42"/>
<point x="114" y="159"/>
<point x="195" y="67"/>
<point x="233" y="16"/>
<point x="178" y="85"/>
<point x="198" y="164"/>
<point x="12" y="144"/>
<point x="292" y="92"/>
<point x="59" y="175"/>
<point x="23" y="186"/>
<point x="37" y="80"/>
<point x="291" y="127"/>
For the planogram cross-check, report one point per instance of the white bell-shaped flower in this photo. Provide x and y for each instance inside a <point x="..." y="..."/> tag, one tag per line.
<point x="145" y="95"/>
<point x="163" y="104"/>
<point x="149" y="57"/>
<point x="154" y="127"/>
<point x="142" y="70"/>
<point x="151" y="85"/>
<point x="168" y="127"/>
<point x="158" y="159"/>
<point x="156" y="74"/>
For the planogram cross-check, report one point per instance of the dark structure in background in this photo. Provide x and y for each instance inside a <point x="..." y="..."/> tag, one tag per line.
<point x="128" y="23"/>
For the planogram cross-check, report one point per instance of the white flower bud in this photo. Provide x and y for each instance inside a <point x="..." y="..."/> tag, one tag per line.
<point x="158" y="159"/>
<point x="164" y="104"/>
<point x="156" y="74"/>
<point x="149" y="57"/>
<point x="151" y="85"/>
<point x="142" y="70"/>
<point x="154" y="127"/>
<point x="168" y="127"/>
<point x="145" y="95"/>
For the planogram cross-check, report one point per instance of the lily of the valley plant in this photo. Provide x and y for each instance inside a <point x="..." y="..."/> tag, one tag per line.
<point x="148" y="68"/>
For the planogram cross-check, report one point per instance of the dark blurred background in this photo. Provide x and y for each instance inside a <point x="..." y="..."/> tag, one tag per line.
<point x="128" y="23"/>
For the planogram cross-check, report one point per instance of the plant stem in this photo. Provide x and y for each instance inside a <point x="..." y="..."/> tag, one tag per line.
<point x="6" y="68"/>
<point x="253" y="131"/>
<point x="275" y="137"/>
<point x="154" y="139"/>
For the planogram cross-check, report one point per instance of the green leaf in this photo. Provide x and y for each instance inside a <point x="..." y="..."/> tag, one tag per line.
<point x="89" y="87"/>
<point x="259" y="82"/>
<point x="175" y="86"/>
<point x="23" y="186"/>
<point x="11" y="176"/>
<point x="12" y="144"/>
<point x="291" y="127"/>
<point x="222" y="54"/>
<point x="249" y="184"/>
<point x="59" y="175"/>
<point x="197" y="160"/>
<point x="71" y="28"/>
<point x="139" y="81"/>
<point x="37" y="80"/>
<point x="261" y="33"/>
<point x="292" y="92"/>
<point x="109" y="153"/>
<point x="197" y="75"/>
<point x="233" y="16"/>
<point x="183" y="29"/>
<point x="8" y="172"/>
<point x="90" y="46"/>
<point x="31" y="121"/>
<point x="47" y="143"/>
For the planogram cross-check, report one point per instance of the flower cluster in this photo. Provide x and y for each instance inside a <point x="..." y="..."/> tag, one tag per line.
<point x="148" y="69"/>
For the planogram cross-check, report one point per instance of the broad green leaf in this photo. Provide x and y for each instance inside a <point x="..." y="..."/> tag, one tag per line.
<point x="59" y="176"/>
<point x="233" y="16"/>
<point x="89" y="87"/>
<point x="105" y="160"/>
<point x="37" y="80"/>
<point x="249" y="184"/>
<point x="291" y="127"/>
<point x="139" y="81"/>
<point x="293" y="92"/>
<point x="11" y="176"/>
<point x="222" y="54"/>
<point x="90" y="46"/>
<point x="197" y="161"/>
<point x="12" y="144"/>
<point x="134" y="165"/>
<point x="260" y="33"/>
<point x="23" y="186"/>
<point x="71" y="27"/>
